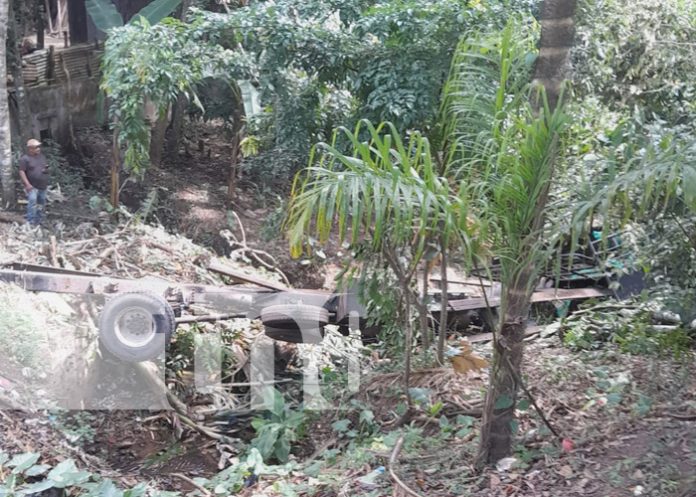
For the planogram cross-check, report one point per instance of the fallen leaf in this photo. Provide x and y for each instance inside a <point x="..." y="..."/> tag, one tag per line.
<point x="567" y="445"/>
<point x="495" y="481"/>
<point x="505" y="464"/>
<point x="466" y="360"/>
<point x="566" y="471"/>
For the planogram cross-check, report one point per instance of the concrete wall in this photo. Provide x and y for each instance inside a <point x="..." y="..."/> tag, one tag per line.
<point x="52" y="106"/>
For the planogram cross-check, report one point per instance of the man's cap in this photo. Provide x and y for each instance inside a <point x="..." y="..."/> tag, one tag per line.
<point x="33" y="143"/>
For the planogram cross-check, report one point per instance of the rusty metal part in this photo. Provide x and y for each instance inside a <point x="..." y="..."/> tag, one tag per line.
<point x="236" y="275"/>
<point x="57" y="280"/>
<point x="548" y="295"/>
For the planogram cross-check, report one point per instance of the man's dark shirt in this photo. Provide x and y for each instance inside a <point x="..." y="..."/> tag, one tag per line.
<point x="36" y="169"/>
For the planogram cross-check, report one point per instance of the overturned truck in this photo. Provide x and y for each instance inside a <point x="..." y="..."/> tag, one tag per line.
<point x="139" y="316"/>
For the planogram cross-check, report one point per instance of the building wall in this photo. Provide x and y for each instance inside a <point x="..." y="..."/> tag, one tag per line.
<point x="52" y="107"/>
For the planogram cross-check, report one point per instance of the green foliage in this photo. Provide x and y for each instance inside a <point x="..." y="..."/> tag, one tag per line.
<point x="636" y="329"/>
<point x="385" y="188"/>
<point x="76" y="426"/>
<point x="21" y="337"/>
<point x="484" y="190"/>
<point x="145" y="63"/>
<point x="325" y="64"/>
<point x="273" y="222"/>
<point x="505" y="155"/>
<point x="236" y="477"/>
<point x="278" y="429"/>
<point x="106" y="17"/>
<point x="62" y="173"/>
<point x="24" y="468"/>
<point x="642" y="340"/>
<point x="638" y="56"/>
<point x="635" y="156"/>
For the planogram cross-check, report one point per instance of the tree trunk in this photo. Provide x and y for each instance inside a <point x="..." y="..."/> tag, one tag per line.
<point x="237" y="133"/>
<point x="115" y="170"/>
<point x="497" y="427"/>
<point x="14" y="60"/>
<point x="176" y="127"/>
<point x="557" y="35"/>
<point x="234" y="166"/>
<point x="157" y="133"/>
<point x="444" y="302"/>
<point x="6" y="176"/>
<point x="423" y="313"/>
<point x="177" y="124"/>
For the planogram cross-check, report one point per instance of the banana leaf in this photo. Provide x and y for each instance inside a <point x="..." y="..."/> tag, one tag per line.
<point x="103" y="14"/>
<point x="155" y="11"/>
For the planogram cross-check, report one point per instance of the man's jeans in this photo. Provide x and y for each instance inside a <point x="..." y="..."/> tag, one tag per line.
<point x="36" y="202"/>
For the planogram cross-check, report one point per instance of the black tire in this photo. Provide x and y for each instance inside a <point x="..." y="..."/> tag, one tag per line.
<point x="136" y="327"/>
<point x="295" y="323"/>
<point x="295" y="335"/>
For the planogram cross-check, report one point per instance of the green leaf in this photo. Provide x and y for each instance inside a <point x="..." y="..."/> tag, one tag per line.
<point x="107" y="488"/>
<point x="514" y="426"/>
<point x="367" y="416"/>
<point x="523" y="405"/>
<point x="37" y="470"/>
<point x="157" y="10"/>
<point x="503" y="402"/>
<point x="282" y="450"/>
<point x="614" y="399"/>
<point x="35" y="488"/>
<point x="341" y="426"/>
<point x="435" y="409"/>
<point x="137" y="491"/>
<point x="465" y="421"/>
<point x="21" y="462"/>
<point x="3" y="458"/>
<point x="444" y="422"/>
<point x="266" y="439"/>
<point x="66" y="474"/>
<point x="104" y="14"/>
<point x="420" y="394"/>
<point x="255" y="461"/>
<point x="314" y="469"/>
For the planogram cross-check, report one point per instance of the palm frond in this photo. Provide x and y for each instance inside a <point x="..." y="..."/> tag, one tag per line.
<point x="386" y="189"/>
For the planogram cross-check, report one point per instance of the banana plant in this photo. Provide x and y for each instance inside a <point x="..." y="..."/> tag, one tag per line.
<point x="106" y="17"/>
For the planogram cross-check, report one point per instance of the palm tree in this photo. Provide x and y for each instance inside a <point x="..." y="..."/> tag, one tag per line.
<point x="522" y="193"/>
<point x="6" y="177"/>
<point x="385" y="196"/>
<point x="505" y="159"/>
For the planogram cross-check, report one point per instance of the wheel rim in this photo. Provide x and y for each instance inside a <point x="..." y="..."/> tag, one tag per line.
<point x="135" y="327"/>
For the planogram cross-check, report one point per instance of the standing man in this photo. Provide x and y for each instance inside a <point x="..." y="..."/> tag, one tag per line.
<point x="33" y="169"/>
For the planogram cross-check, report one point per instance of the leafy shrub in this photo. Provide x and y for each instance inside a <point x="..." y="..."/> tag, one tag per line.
<point x="62" y="173"/>
<point x="20" y="333"/>
<point x="278" y="429"/>
<point x="635" y="329"/>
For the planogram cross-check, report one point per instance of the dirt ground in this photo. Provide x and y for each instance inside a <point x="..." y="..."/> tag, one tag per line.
<point x="631" y="421"/>
<point x="192" y="200"/>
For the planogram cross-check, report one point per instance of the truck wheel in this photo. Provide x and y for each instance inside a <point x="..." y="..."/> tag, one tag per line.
<point x="295" y="323"/>
<point x="136" y="327"/>
<point x="295" y="335"/>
